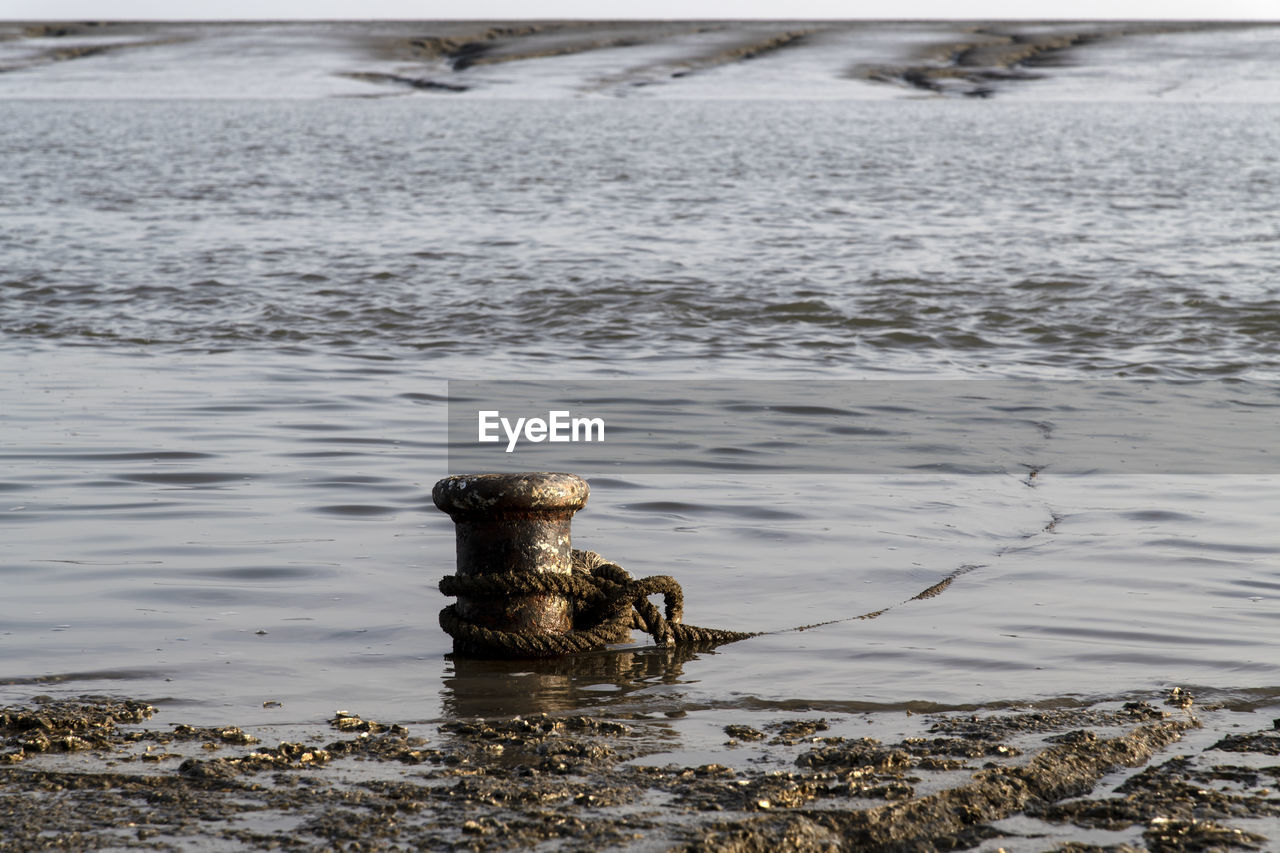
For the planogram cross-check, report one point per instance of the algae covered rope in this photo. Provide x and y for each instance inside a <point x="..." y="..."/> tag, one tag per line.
<point x="607" y="603"/>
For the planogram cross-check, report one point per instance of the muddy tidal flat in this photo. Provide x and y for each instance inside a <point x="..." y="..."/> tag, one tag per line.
<point x="1184" y="61"/>
<point x="1162" y="776"/>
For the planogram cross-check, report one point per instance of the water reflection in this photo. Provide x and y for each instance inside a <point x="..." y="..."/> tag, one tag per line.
<point x="494" y="688"/>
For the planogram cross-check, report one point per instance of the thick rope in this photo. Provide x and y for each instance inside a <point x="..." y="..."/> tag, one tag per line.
<point x="607" y="601"/>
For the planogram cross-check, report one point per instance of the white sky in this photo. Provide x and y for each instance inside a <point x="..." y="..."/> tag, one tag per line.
<point x="603" y="9"/>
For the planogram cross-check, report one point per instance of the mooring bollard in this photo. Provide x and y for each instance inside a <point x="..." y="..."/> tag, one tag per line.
<point x="513" y="524"/>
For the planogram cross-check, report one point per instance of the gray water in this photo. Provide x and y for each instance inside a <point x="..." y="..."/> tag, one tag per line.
<point x="227" y="329"/>
<point x="917" y="238"/>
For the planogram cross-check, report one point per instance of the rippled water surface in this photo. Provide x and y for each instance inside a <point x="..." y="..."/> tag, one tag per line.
<point x="619" y="236"/>
<point x="228" y="327"/>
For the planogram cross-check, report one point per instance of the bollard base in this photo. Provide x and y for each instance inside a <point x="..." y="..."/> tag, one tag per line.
<point x="512" y="526"/>
<point x="523" y="592"/>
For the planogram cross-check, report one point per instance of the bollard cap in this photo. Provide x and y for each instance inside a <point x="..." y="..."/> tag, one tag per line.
<point x="540" y="491"/>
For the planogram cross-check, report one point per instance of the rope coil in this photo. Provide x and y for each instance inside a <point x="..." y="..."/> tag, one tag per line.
<point x="608" y="602"/>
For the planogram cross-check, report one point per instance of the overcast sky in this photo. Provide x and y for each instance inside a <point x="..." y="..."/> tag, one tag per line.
<point x="603" y="9"/>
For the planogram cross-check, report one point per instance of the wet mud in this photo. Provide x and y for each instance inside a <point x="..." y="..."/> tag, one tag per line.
<point x="525" y="42"/>
<point x="727" y="43"/>
<point x="952" y="59"/>
<point x="973" y="62"/>
<point x="517" y="42"/>
<point x="991" y="55"/>
<point x="743" y="51"/>
<point x="455" y="47"/>
<point x="100" y="772"/>
<point x="122" y="37"/>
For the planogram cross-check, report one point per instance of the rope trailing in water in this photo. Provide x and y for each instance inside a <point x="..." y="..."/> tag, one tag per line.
<point x="608" y="602"/>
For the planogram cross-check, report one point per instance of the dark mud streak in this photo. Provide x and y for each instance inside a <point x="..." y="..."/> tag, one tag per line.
<point x="456" y="49"/>
<point x="744" y="52"/>
<point x="82" y="51"/>
<point x="498" y="44"/>
<point x="483" y="57"/>
<point x="401" y="80"/>
<point x="970" y="68"/>
<point x="973" y="68"/>
<point x="61" y="29"/>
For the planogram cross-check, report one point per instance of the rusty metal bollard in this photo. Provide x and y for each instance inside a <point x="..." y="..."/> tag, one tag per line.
<point x="513" y="523"/>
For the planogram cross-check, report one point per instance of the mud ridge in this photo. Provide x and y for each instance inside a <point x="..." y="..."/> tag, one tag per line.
<point x="975" y="67"/>
<point x="744" y="52"/>
<point x="61" y="29"/>
<point x="958" y="817"/>
<point x="454" y="48"/>
<point x="81" y="51"/>
<point x="517" y="43"/>
<point x="674" y="69"/>
<point x="483" y="57"/>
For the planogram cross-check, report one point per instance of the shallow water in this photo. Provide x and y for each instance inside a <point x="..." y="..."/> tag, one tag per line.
<point x="229" y="327"/>
<point x="921" y="238"/>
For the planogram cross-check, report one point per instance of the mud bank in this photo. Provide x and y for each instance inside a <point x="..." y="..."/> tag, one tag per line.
<point x="989" y="56"/>
<point x="846" y="59"/>
<point x="97" y="772"/>
<point x="40" y="44"/>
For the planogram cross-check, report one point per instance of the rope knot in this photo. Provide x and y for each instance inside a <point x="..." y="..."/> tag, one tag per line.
<point x="607" y="603"/>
